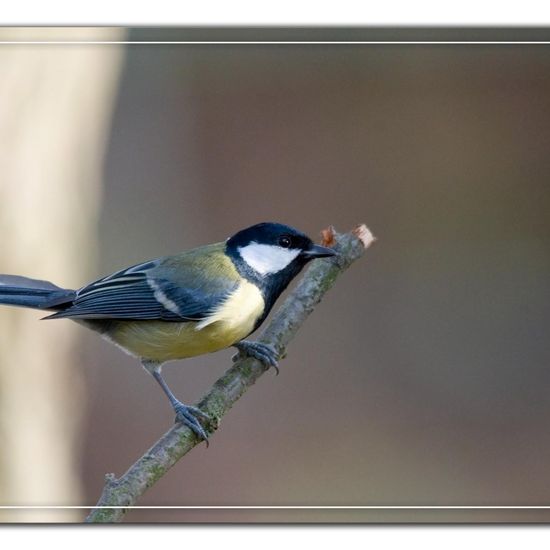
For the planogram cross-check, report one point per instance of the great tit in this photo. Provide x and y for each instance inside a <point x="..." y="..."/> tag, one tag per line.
<point x="196" y="302"/>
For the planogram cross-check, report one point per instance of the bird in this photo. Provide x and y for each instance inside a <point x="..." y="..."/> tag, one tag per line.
<point x="175" y="307"/>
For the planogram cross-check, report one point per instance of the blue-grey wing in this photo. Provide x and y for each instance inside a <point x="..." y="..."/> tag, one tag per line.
<point x="142" y="293"/>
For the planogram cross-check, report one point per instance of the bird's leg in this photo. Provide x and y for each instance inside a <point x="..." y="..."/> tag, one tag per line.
<point x="186" y="414"/>
<point x="264" y="353"/>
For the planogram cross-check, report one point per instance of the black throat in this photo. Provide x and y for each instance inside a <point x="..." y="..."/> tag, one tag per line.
<point x="271" y="285"/>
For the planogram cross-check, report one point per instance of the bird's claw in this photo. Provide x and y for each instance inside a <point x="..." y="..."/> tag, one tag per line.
<point x="187" y="415"/>
<point x="265" y="353"/>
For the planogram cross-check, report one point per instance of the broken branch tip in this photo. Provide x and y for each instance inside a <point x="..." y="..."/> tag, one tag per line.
<point x="364" y="234"/>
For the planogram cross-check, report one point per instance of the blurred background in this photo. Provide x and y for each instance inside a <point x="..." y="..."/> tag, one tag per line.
<point x="421" y="379"/>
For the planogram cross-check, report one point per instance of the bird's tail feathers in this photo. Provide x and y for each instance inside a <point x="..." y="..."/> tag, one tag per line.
<point x="25" y="292"/>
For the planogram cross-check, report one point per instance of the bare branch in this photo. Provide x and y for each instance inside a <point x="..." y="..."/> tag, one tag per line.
<point x="118" y="494"/>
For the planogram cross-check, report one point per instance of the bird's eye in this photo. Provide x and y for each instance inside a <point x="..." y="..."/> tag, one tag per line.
<point x="285" y="241"/>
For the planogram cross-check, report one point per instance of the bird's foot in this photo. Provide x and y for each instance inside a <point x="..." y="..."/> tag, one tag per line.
<point x="189" y="416"/>
<point x="265" y="353"/>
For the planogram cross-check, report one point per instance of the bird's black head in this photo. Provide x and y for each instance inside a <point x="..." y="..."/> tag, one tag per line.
<point x="271" y="255"/>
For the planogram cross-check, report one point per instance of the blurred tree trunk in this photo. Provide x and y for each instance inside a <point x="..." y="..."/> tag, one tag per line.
<point x="55" y="108"/>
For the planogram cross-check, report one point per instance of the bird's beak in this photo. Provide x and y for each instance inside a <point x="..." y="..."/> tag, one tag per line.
<point x="318" y="251"/>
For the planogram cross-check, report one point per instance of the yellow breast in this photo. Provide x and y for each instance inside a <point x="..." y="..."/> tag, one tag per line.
<point x="165" y="341"/>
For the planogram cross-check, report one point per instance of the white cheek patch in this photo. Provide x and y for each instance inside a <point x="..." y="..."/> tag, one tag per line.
<point x="267" y="258"/>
